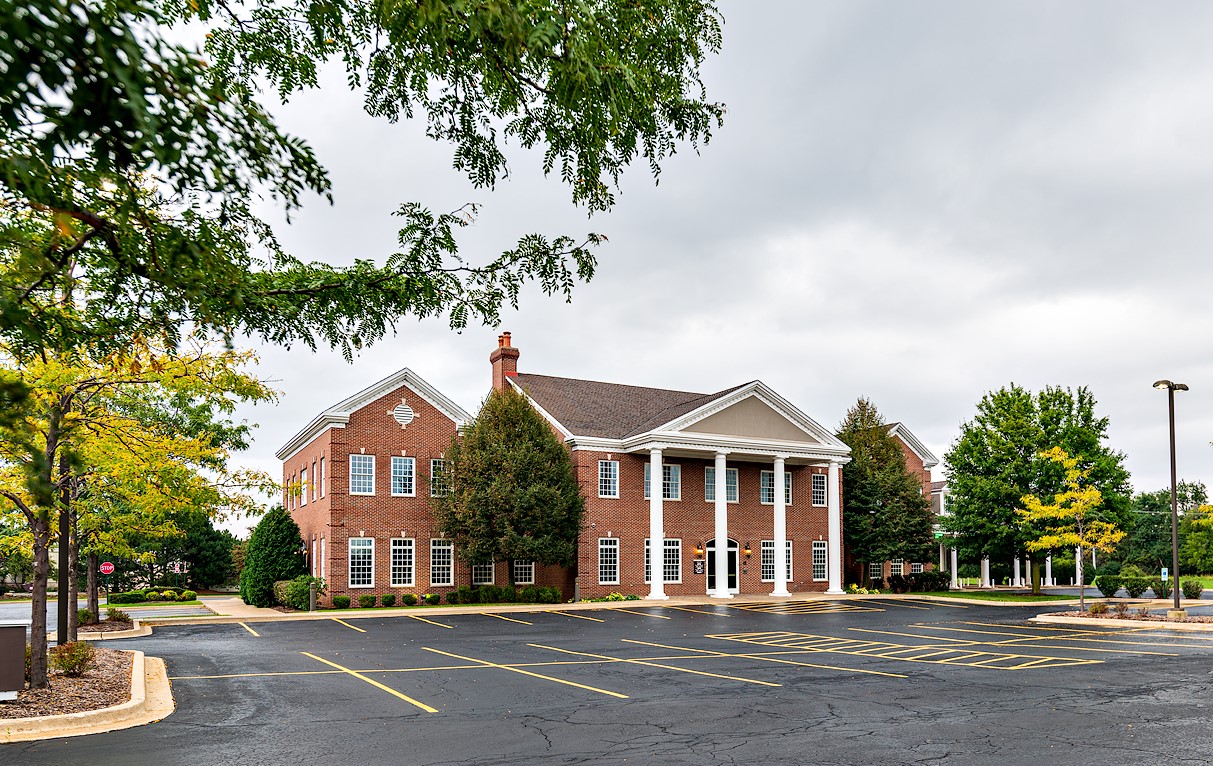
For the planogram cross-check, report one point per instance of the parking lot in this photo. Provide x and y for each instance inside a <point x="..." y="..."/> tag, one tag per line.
<point x="847" y="682"/>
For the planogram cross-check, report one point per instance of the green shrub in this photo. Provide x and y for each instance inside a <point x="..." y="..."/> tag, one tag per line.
<point x="280" y="592"/>
<point x="408" y="599"/>
<point x="1132" y="570"/>
<point x="274" y="552"/>
<point x="187" y="595"/>
<point x="341" y="602"/>
<point x="1122" y="609"/>
<point x="529" y="595"/>
<point x="1108" y="585"/>
<point x="298" y="593"/>
<point x="366" y="600"/>
<point x="433" y="599"/>
<point x="1162" y="588"/>
<point x="133" y="597"/>
<point x="85" y="617"/>
<point x="388" y="599"/>
<point x="1135" y="586"/>
<point x="1098" y="607"/>
<point x="74" y="658"/>
<point x="925" y="582"/>
<point x="117" y="615"/>
<point x="898" y="584"/>
<point x="876" y="584"/>
<point x="1192" y="588"/>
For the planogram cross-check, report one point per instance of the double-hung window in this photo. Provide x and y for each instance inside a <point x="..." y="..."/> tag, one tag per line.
<point x="303" y="487"/>
<point x="766" y="488"/>
<point x="482" y="574"/>
<point x="730" y="485"/>
<point x="820" y="557"/>
<point x="404" y="476"/>
<point x="915" y="568"/>
<point x="442" y="562"/>
<point x="819" y="489"/>
<point x="897" y="567"/>
<point x="875" y="570"/>
<point x="362" y="562"/>
<point x="767" y="561"/>
<point x="524" y="572"/>
<point x="402" y="562"/>
<point x="608" y="478"/>
<point x="608" y="561"/>
<point x="671" y="484"/>
<point x="322" y="477"/>
<point x="438" y="483"/>
<point x="362" y="474"/>
<point x="671" y="561"/>
<point x="314" y="477"/>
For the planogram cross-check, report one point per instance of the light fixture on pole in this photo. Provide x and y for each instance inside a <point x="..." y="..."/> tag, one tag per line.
<point x="1171" y="388"/>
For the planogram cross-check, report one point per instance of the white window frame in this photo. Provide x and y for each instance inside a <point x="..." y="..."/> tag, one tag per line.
<point x="671" y="561"/>
<point x="410" y="474"/>
<point x="357" y="542"/>
<point x="313" y="485"/>
<point x="821" y="560"/>
<point x="314" y="569"/>
<point x="372" y="466"/>
<point x="478" y="571"/>
<point x="438" y="485"/>
<point x="766" y="488"/>
<point x="820" y="490"/>
<point x="732" y="492"/>
<point x="448" y="547"/>
<point x="323" y="561"/>
<point x="897" y="567"/>
<point x="915" y="567"/>
<point x="302" y="487"/>
<point x="875" y="570"/>
<point x="766" y="560"/>
<point x="671" y="481"/>
<point x="402" y="548"/>
<point x="524" y="571"/>
<point x="322" y="477"/>
<point x="608" y="478"/>
<point x="609" y="546"/>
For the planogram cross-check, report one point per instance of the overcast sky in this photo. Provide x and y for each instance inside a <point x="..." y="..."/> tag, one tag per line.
<point x="914" y="202"/>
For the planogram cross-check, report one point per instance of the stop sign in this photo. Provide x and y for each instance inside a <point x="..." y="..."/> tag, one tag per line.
<point x="106" y="567"/>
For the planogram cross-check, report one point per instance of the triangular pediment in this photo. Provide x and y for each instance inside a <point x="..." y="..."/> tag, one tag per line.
<point x="752" y="418"/>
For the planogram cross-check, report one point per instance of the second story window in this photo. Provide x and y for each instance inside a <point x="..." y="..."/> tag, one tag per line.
<point x="404" y="476"/>
<point x="362" y="474"/>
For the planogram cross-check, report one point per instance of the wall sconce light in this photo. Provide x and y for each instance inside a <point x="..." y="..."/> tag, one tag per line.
<point x="699" y="549"/>
<point x="747" y="550"/>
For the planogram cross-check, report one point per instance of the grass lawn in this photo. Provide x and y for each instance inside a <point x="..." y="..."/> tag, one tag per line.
<point x="145" y="604"/>
<point x="988" y="596"/>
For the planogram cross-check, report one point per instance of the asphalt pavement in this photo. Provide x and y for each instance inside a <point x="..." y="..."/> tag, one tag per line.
<point x="823" y="682"/>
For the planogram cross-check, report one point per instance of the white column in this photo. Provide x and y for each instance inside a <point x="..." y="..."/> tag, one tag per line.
<point x="656" y="525"/>
<point x="955" y="566"/>
<point x="834" y="511"/>
<point x="1049" y="570"/>
<point x="942" y="563"/>
<point x="985" y="572"/>
<point x="722" y="530"/>
<point x="1016" y="580"/>
<point x="781" y="533"/>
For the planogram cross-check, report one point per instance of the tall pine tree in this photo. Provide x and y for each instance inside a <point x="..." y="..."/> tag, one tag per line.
<point x="513" y="493"/>
<point x="884" y="513"/>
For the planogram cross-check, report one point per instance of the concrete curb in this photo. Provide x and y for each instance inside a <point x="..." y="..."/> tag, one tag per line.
<point x="151" y="700"/>
<point x="139" y="629"/>
<point x="1183" y="627"/>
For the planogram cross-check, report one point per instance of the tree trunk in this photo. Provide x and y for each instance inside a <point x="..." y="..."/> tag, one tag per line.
<point x="42" y="569"/>
<point x="1035" y="577"/>
<point x="94" y="603"/>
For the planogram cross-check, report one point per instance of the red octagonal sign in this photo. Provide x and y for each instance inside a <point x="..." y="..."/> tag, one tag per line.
<point x="106" y="568"/>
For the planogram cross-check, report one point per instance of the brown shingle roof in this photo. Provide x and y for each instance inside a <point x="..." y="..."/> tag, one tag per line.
<point x="609" y="410"/>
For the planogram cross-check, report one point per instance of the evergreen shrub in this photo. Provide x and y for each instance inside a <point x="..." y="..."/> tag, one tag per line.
<point x="1161" y="588"/>
<point x="298" y="591"/>
<point x="133" y="597"/>
<point x="274" y="553"/>
<point x="117" y="615"/>
<point x="1192" y="588"/>
<point x="1135" y="586"/>
<point x="85" y="617"/>
<point x="187" y="595"/>
<point x="1108" y="585"/>
<point x="388" y="599"/>
<point x="366" y="600"/>
<point x="341" y="602"/>
<point x="408" y="599"/>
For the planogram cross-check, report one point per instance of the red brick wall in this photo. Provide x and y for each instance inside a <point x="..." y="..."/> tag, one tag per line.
<point x="692" y="519"/>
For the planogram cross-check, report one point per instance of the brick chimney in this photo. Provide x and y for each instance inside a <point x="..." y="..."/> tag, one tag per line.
<point x="505" y="361"/>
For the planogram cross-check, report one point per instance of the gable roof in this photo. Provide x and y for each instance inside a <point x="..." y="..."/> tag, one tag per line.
<point x="338" y="415"/>
<point x="609" y="410"/>
<point x="910" y="440"/>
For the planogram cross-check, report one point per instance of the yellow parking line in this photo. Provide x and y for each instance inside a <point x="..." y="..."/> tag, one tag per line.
<point x="250" y="630"/>
<point x="932" y="602"/>
<point x="656" y="665"/>
<point x="644" y="614"/>
<point x="346" y="624"/>
<point x="507" y="619"/>
<point x="914" y="635"/>
<point x="895" y="602"/>
<point x="764" y="658"/>
<point x="256" y="675"/>
<point x="578" y="616"/>
<point x="374" y="683"/>
<point x="696" y="611"/>
<point x="439" y="624"/>
<point x="488" y="664"/>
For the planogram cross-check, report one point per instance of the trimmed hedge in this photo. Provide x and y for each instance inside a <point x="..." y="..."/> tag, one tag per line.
<point x="1108" y="585"/>
<point x="132" y="597"/>
<point x="408" y="599"/>
<point x="298" y="592"/>
<point x="366" y="600"/>
<point x="341" y="602"/>
<point x="388" y="599"/>
<point x="1192" y="588"/>
<point x="501" y="594"/>
<point x="1135" y="586"/>
<point x="1162" y="588"/>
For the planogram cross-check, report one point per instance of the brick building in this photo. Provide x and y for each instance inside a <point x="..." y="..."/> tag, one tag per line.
<point x="360" y="475"/>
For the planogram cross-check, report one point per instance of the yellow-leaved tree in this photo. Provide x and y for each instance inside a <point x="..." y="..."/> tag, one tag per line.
<point x="1067" y="521"/>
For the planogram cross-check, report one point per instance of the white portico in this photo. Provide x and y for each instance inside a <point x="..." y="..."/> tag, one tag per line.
<point x="747" y="443"/>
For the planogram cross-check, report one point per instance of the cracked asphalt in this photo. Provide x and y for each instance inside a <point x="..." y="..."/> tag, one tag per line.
<point x="859" y="682"/>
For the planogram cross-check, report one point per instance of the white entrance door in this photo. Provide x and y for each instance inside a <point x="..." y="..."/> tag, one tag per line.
<point x="710" y="554"/>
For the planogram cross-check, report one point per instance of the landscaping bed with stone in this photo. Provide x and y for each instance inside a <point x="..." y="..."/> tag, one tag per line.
<point x="105" y="684"/>
<point x="1131" y="616"/>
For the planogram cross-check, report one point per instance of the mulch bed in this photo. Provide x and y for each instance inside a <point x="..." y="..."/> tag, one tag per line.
<point x="106" y="626"/>
<point x="1133" y="617"/>
<point x="107" y="684"/>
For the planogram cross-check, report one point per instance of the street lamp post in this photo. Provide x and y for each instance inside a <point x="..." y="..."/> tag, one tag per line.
<point x="1171" y="388"/>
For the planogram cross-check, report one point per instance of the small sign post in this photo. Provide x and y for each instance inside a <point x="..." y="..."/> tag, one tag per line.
<point x="1165" y="574"/>
<point x="107" y="569"/>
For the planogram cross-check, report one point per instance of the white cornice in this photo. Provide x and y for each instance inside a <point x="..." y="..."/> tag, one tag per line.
<point x="918" y="448"/>
<point x="338" y="415"/>
<point x="711" y="443"/>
